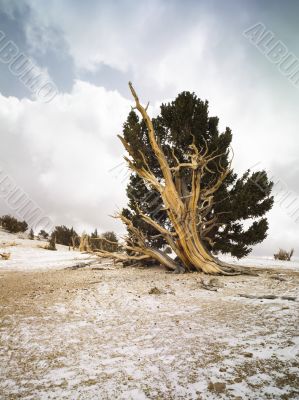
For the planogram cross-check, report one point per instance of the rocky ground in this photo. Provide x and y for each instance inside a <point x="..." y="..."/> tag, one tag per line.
<point x="101" y="332"/>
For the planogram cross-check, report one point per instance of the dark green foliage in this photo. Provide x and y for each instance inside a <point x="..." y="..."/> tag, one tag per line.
<point x="51" y="243"/>
<point x="43" y="234"/>
<point x="95" y="240"/>
<point x="12" y="225"/>
<point x="102" y="242"/>
<point x="65" y="235"/>
<point x="94" y="234"/>
<point x="239" y="199"/>
<point x="31" y="234"/>
<point x="107" y="238"/>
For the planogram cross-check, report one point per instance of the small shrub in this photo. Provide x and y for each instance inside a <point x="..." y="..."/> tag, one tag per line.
<point x="12" y="225"/>
<point x="284" y="255"/>
<point x="52" y="243"/>
<point x="5" y="256"/>
<point x="31" y="234"/>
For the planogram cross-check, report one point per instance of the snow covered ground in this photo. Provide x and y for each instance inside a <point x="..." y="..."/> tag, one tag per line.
<point x="263" y="262"/>
<point x="106" y="332"/>
<point x="28" y="255"/>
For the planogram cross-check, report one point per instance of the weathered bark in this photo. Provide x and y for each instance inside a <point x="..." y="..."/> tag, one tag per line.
<point x="186" y="208"/>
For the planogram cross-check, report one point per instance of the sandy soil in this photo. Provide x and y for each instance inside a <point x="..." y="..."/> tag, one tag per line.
<point x="97" y="333"/>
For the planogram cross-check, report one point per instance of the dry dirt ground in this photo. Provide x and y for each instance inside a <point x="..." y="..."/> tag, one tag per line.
<point x="102" y="332"/>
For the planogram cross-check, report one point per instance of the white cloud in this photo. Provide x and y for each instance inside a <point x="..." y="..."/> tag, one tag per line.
<point x="63" y="153"/>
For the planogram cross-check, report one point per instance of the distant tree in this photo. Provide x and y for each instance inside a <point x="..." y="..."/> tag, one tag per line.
<point x="95" y="233"/>
<point x="95" y="240"/>
<point x="43" y="234"/>
<point x="65" y="235"/>
<point x="284" y="255"/>
<point x="51" y="243"/>
<point x="109" y="241"/>
<point x="12" y="225"/>
<point x="75" y="240"/>
<point x="31" y="234"/>
<point x="106" y="241"/>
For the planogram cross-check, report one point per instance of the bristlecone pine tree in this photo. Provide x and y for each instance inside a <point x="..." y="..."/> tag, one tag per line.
<point x="183" y="192"/>
<point x="31" y="234"/>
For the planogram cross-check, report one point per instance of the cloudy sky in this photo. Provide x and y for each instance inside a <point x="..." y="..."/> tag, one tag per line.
<point x="64" y="152"/>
